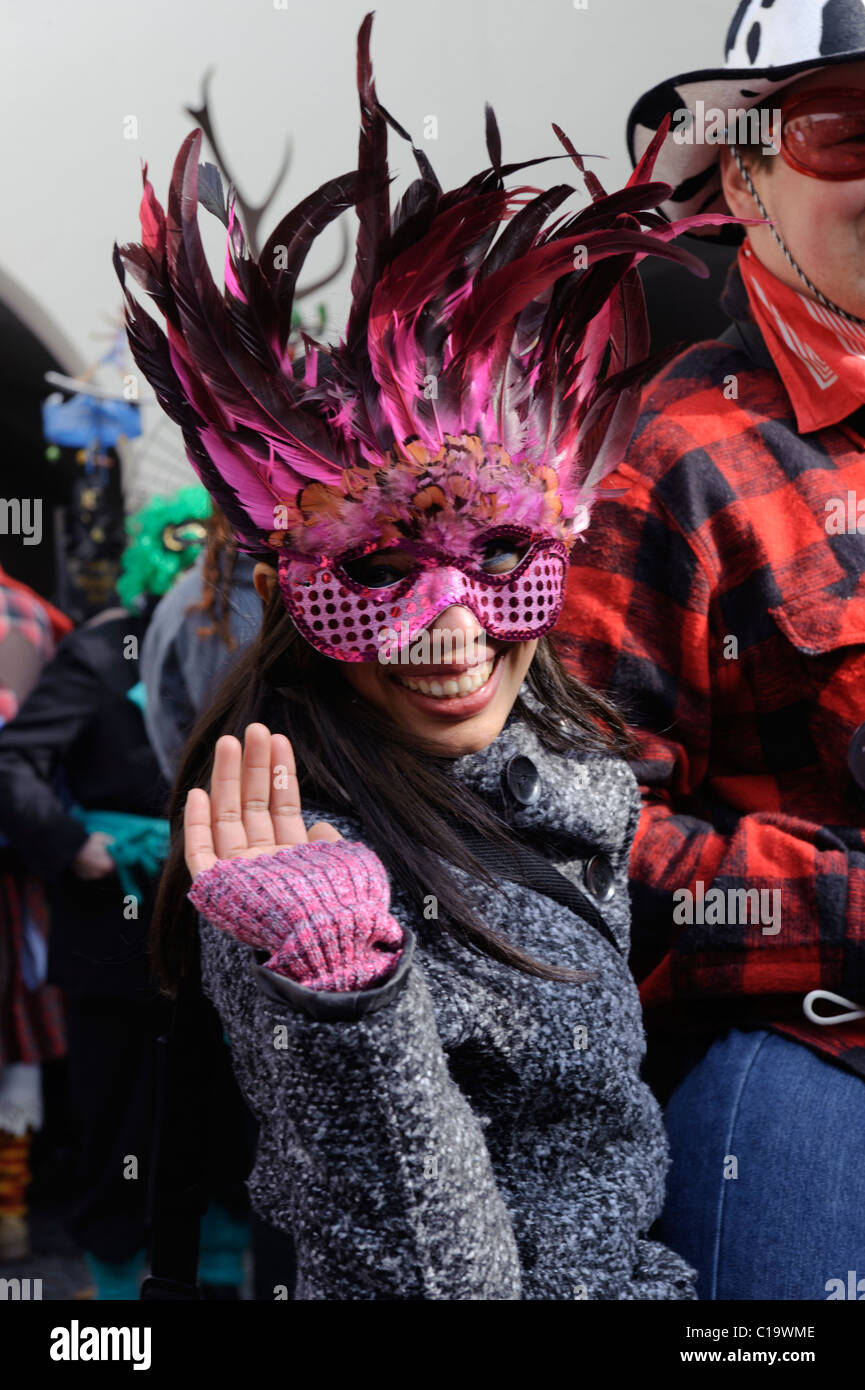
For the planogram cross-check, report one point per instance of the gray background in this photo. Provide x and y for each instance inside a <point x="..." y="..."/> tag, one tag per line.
<point x="72" y="72"/>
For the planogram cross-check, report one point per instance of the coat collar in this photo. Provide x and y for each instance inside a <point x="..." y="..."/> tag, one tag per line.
<point x="580" y="803"/>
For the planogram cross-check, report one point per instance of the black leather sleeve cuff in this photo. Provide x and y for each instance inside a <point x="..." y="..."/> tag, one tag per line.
<point x="330" y="1006"/>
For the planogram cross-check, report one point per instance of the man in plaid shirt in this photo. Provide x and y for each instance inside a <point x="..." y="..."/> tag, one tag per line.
<point x="711" y="605"/>
<point x="719" y="599"/>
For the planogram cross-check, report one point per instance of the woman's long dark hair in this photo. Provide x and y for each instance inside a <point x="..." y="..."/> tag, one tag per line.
<point x="367" y="768"/>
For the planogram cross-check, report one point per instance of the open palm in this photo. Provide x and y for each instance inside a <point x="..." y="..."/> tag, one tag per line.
<point x="254" y="803"/>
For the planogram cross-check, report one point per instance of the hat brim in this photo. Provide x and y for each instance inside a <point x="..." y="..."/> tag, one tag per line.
<point x="693" y="168"/>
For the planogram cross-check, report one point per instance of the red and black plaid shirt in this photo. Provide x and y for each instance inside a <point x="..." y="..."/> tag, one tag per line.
<point x="712" y="604"/>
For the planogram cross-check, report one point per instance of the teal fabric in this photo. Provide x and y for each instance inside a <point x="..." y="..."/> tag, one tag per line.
<point x="224" y="1241"/>
<point x="117" y="1281"/>
<point x="138" y="843"/>
<point x="138" y="695"/>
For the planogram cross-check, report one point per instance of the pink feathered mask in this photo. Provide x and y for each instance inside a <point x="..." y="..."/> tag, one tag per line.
<point x="488" y="379"/>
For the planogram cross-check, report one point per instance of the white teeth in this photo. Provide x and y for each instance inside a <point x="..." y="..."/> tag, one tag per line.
<point x="454" y="685"/>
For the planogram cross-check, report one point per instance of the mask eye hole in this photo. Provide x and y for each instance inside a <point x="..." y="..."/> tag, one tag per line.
<point x="501" y="554"/>
<point x="381" y="569"/>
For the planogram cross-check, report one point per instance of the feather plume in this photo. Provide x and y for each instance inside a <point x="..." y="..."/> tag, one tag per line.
<point x="483" y="359"/>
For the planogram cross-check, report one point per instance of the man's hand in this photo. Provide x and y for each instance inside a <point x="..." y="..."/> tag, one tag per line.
<point x="93" y="860"/>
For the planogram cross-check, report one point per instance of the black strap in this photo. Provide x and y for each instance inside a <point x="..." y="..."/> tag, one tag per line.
<point x="532" y="870"/>
<point x="745" y="335"/>
<point x="177" y="1198"/>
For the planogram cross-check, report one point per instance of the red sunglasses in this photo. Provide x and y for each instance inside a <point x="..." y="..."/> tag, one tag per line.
<point x="823" y="133"/>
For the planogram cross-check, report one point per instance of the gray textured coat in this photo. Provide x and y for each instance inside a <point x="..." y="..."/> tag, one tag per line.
<point x="479" y="1134"/>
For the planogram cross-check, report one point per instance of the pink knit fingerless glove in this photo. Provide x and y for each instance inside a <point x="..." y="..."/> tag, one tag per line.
<point x="321" y="909"/>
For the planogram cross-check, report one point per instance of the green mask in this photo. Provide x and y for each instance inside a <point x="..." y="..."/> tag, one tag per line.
<point x="165" y="536"/>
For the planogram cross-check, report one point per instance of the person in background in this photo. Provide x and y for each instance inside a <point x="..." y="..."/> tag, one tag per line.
<point x="720" y="600"/>
<point x="31" y="1012"/>
<point x="81" y="803"/>
<point x="201" y="625"/>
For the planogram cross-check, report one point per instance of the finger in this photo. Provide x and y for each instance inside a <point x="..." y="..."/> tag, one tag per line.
<point x="322" y="831"/>
<point x="288" y="826"/>
<point x="255" y="786"/>
<point x="198" y="848"/>
<point x="229" y="836"/>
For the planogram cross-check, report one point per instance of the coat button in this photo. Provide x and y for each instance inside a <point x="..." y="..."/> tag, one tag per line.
<point x="856" y="756"/>
<point x="523" y="781"/>
<point x="599" y="878"/>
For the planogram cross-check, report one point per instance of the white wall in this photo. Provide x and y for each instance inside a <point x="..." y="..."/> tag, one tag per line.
<point x="71" y="71"/>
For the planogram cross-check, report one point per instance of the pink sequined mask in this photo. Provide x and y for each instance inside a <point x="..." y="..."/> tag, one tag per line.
<point x="353" y="622"/>
<point x="440" y="509"/>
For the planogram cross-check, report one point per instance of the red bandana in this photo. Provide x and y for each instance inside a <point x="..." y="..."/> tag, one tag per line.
<point x="819" y="355"/>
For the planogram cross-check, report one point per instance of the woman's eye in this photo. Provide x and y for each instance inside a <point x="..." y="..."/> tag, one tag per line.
<point x="500" y="556"/>
<point x="378" y="571"/>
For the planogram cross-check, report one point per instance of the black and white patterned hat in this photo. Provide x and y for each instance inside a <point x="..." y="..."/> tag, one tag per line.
<point x="770" y="43"/>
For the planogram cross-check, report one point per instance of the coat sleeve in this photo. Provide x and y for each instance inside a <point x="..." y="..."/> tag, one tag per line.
<point x="368" y="1152"/>
<point x="641" y="616"/>
<point x="63" y="702"/>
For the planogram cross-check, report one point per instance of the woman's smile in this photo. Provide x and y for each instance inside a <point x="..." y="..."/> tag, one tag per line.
<point x="453" y="692"/>
<point x="453" y="706"/>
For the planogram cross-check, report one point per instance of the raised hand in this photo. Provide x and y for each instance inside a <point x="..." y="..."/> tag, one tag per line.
<point x="254" y="803"/>
<point x="320" y="909"/>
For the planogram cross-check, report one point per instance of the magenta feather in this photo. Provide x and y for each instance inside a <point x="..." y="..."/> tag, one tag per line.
<point x="474" y="291"/>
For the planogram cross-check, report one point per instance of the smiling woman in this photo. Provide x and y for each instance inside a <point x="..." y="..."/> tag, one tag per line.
<point x="416" y="871"/>
<point x="459" y="702"/>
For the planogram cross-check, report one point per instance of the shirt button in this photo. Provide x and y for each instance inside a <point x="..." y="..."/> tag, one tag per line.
<point x="856" y="756"/>
<point x="523" y="781"/>
<point x="599" y="878"/>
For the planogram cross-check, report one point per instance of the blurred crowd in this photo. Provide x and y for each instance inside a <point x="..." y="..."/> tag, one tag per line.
<point x="93" y="720"/>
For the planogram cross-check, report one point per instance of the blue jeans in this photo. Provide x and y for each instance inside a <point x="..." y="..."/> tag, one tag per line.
<point x="788" y="1130"/>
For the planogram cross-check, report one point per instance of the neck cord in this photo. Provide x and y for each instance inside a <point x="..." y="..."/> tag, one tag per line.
<point x="818" y="294"/>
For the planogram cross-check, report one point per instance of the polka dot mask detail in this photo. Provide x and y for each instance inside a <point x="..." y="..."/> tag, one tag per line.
<point x="350" y="620"/>
<point x="366" y="565"/>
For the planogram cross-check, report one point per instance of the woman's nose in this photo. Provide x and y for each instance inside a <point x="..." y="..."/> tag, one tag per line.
<point x="461" y="625"/>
